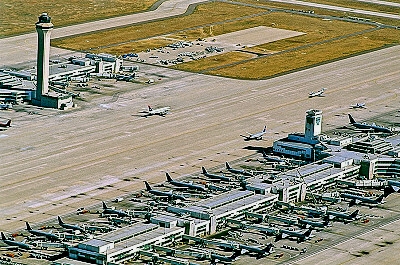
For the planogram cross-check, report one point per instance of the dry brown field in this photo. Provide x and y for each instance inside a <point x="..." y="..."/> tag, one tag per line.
<point x="325" y="40"/>
<point x="20" y="15"/>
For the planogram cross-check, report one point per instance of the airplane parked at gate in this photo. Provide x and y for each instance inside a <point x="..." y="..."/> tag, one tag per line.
<point x="110" y="211"/>
<point x="160" y="111"/>
<point x="17" y="244"/>
<point x="169" y="195"/>
<point x="260" y="252"/>
<point x="69" y="226"/>
<point x="254" y="136"/>
<point x="366" y="126"/>
<point x="355" y="199"/>
<point x="296" y="234"/>
<point x="343" y="216"/>
<point x="316" y="94"/>
<point x="358" y="106"/>
<point x="309" y="223"/>
<point x="48" y="235"/>
<point x="185" y="185"/>
<point x="214" y="176"/>
<point x="6" y="124"/>
<point x="216" y="258"/>
<point x="238" y="171"/>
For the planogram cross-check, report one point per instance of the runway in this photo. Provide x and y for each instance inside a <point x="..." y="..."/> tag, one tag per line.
<point x="57" y="162"/>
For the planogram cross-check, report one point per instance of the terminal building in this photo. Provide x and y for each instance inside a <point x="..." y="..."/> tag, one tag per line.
<point x="255" y="196"/>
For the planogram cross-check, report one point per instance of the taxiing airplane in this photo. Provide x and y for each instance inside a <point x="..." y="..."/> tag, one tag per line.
<point x="169" y="195"/>
<point x="355" y="199"/>
<point x="5" y="125"/>
<point x="48" y="235"/>
<point x="254" y="136"/>
<point x="160" y="111"/>
<point x="238" y="171"/>
<point x="316" y="94"/>
<point x="358" y="106"/>
<point x="343" y="216"/>
<point x="185" y="185"/>
<point x="17" y="244"/>
<point x="366" y="126"/>
<point x="214" y="176"/>
<point x="69" y="226"/>
<point x="296" y="234"/>
<point x="111" y="211"/>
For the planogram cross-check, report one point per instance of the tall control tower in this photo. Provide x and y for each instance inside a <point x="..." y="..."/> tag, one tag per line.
<point x="43" y="28"/>
<point x="313" y="126"/>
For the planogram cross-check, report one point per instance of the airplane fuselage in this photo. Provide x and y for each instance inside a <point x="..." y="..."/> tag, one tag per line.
<point x="169" y="195"/>
<point x="187" y="185"/>
<point x="15" y="243"/>
<point x="362" y="199"/>
<point x="214" y="176"/>
<point x="43" y="234"/>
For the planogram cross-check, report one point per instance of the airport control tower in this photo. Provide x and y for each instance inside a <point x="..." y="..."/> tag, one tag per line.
<point x="43" y="28"/>
<point x="313" y="126"/>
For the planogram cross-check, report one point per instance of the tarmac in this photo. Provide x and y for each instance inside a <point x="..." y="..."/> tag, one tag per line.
<point x="54" y="162"/>
<point x="105" y="149"/>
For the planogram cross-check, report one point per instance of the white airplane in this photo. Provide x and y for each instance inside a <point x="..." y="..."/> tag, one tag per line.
<point x="160" y="111"/>
<point x="254" y="136"/>
<point x="358" y="106"/>
<point x="316" y="94"/>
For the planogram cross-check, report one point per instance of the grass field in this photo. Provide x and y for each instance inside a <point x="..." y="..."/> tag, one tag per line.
<point x="20" y="16"/>
<point x="325" y="39"/>
<point x="204" y="14"/>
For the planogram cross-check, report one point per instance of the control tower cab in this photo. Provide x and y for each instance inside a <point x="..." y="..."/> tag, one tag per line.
<point x="313" y="126"/>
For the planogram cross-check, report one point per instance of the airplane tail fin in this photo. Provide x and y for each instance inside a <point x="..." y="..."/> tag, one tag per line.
<point x="269" y="248"/>
<point x="150" y="108"/>
<point x="354" y="214"/>
<point x="8" y="123"/>
<point x="352" y="121"/>
<point x="28" y="227"/>
<point x="147" y="186"/>
<point x="380" y="198"/>
<point x="60" y="222"/>
<point x="265" y="128"/>
<point x="389" y="190"/>
<point x="227" y="165"/>
<point x="235" y="254"/>
<point x="308" y="232"/>
<point x="204" y="170"/>
<point x="104" y="205"/>
<point x="169" y="179"/>
<point x="3" y="237"/>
